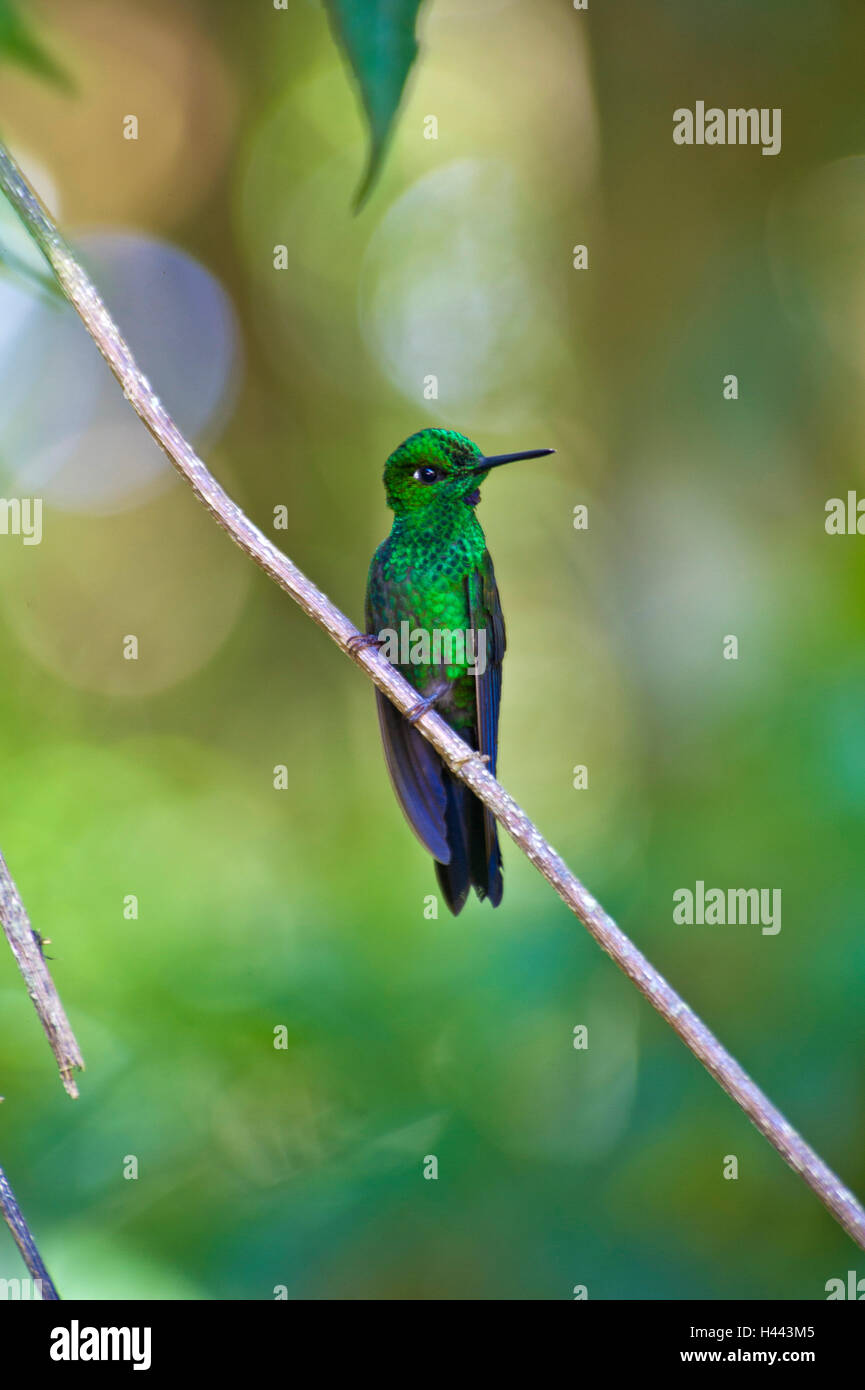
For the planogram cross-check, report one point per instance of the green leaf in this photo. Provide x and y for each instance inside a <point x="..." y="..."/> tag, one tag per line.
<point x="27" y="277"/>
<point x="378" y="38"/>
<point x="19" y="45"/>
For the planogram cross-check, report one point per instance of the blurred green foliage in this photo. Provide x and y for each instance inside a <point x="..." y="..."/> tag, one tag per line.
<point x="19" y="44"/>
<point x="378" y="37"/>
<point x="303" y="909"/>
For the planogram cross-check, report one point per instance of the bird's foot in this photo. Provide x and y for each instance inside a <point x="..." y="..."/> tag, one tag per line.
<point x="426" y="704"/>
<point x="420" y="709"/>
<point x="364" y="639"/>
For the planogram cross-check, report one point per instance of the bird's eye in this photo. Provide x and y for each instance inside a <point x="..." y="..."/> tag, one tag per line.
<point x="427" y="474"/>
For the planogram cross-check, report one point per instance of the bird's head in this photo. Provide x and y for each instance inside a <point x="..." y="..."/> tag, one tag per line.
<point x="434" y="466"/>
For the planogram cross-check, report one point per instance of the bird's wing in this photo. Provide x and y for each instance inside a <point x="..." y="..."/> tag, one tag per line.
<point x="415" y="769"/>
<point x="485" y="616"/>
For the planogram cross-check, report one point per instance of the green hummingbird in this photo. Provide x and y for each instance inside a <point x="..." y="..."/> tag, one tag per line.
<point x="433" y="606"/>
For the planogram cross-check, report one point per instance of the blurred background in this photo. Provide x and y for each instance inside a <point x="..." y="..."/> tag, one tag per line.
<point x="303" y="908"/>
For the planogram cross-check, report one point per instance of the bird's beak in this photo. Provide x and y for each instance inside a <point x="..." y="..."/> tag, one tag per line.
<point x="496" y="460"/>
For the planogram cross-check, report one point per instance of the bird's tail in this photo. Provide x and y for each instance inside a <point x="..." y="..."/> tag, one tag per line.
<point x="472" y="836"/>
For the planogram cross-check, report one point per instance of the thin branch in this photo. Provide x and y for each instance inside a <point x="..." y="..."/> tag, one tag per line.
<point x="27" y="950"/>
<point x="14" y="1218"/>
<point x="693" y="1032"/>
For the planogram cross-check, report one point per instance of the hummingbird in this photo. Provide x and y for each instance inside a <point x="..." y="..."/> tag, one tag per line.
<point x="433" y="575"/>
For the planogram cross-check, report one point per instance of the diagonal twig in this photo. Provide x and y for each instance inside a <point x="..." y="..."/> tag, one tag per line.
<point x="14" y="1218"/>
<point x="83" y="295"/>
<point x="27" y="950"/>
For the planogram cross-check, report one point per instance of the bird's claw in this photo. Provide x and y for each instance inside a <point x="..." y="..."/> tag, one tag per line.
<point x="427" y="703"/>
<point x="364" y="639"/>
<point x="420" y="709"/>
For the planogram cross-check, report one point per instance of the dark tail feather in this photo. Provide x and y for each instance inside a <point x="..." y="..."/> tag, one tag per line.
<point x="475" y="859"/>
<point x="486" y="859"/>
<point x="455" y="877"/>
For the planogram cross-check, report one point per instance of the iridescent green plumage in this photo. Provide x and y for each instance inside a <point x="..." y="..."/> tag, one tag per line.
<point x="432" y="575"/>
